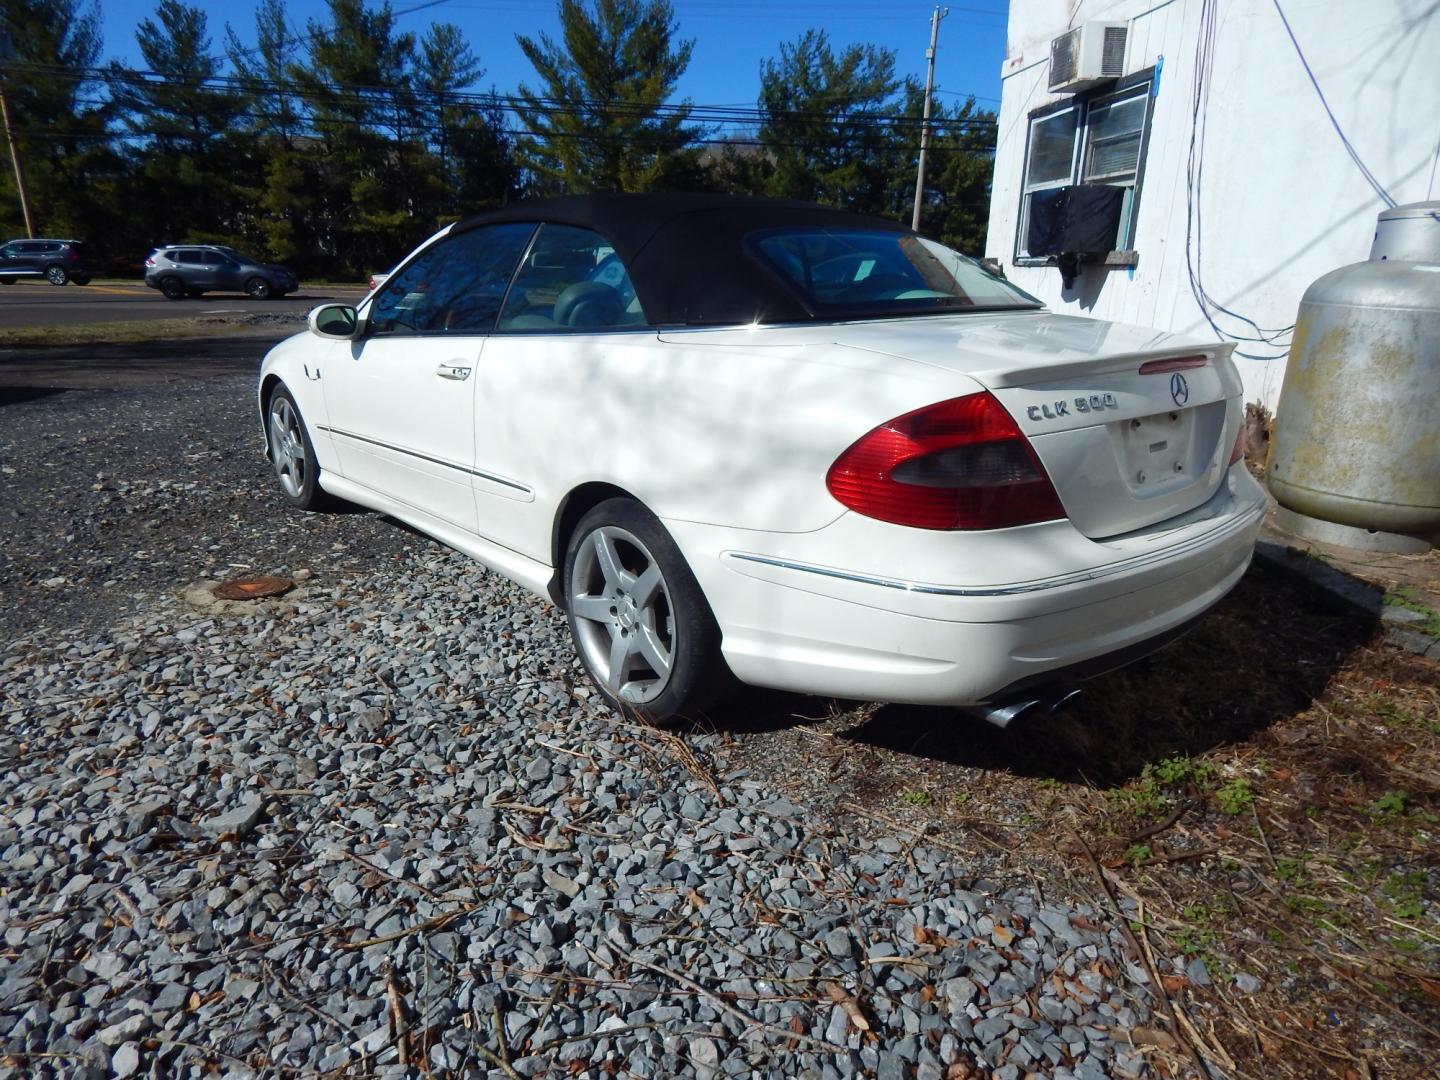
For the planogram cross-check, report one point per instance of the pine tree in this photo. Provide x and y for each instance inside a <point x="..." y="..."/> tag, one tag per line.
<point x="181" y="126"/>
<point x="59" y="119"/>
<point x="829" y="123"/>
<point x="597" y="122"/>
<point x="281" y="177"/>
<point x="358" y="81"/>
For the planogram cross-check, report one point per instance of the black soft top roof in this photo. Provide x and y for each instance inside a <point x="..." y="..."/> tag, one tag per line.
<point x="685" y="252"/>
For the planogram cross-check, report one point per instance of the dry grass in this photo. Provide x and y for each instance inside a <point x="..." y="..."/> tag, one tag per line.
<point x="1267" y="789"/>
<point x="138" y="330"/>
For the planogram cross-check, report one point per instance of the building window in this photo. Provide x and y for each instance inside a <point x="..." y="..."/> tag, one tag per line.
<point x="1096" y="138"/>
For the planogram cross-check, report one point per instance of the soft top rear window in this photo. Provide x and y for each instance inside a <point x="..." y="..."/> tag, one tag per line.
<point x="853" y="273"/>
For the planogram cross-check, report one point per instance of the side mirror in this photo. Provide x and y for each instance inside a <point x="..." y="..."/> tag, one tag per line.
<point x="334" y="321"/>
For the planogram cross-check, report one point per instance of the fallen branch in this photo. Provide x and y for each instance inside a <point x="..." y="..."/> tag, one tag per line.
<point x="739" y="1014"/>
<point x="398" y="1027"/>
<point x="1163" y="995"/>
<point x="360" y="860"/>
<point x="439" y="922"/>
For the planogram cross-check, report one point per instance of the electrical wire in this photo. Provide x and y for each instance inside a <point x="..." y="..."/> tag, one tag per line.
<point x="1194" y="177"/>
<point x="1375" y="184"/>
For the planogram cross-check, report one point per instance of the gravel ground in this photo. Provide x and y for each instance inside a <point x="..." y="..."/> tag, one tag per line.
<point x="381" y="824"/>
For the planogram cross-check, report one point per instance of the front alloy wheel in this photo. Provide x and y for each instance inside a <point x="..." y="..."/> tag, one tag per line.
<point x="642" y="626"/>
<point x="291" y="453"/>
<point x="257" y="288"/>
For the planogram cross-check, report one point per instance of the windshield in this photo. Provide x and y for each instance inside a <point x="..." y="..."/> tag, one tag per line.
<point x="858" y="272"/>
<point x="236" y="255"/>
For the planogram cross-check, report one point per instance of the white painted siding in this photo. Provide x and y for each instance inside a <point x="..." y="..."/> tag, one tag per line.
<point x="1282" y="201"/>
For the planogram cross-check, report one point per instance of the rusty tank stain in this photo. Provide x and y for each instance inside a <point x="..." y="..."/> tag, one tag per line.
<point x="1357" y="432"/>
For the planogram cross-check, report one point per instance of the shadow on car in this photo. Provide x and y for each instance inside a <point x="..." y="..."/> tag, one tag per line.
<point x="1265" y="653"/>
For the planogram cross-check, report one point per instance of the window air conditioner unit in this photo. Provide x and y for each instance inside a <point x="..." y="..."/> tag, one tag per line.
<point x="1089" y="54"/>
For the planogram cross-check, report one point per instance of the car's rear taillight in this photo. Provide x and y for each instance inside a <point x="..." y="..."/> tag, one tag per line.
<point x="960" y="464"/>
<point x="149" y="260"/>
<point x="1238" y="451"/>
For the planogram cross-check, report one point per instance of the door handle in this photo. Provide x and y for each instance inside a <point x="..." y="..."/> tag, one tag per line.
<point x="456" y="372"/>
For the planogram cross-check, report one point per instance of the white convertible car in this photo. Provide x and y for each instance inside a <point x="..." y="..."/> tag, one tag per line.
<point x="806" y="448"/>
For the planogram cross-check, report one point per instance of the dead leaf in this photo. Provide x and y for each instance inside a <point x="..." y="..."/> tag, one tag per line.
<point x="1002" y="935"/>
<point x="1431" y="988"/>
<point x="1150" y="1036"/>
<point x="1174" y="983"/>
<point x="959" y="1070"/>
<point x="920" y="934"/>
<point x="194" y="1001"/>
<point x="927" y="994"/>
<point x="849" y="1004"/>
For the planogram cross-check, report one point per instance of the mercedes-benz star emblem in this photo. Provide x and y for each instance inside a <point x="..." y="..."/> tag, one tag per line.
<point x="1179" y="389"/>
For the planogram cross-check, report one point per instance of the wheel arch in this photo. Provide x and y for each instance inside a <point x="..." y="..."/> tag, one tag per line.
<point x="575" y="505"/>
<point x="267" y="388"/>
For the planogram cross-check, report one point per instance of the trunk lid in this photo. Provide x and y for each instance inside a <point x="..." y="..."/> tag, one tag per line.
<point x="1125" y="448"/>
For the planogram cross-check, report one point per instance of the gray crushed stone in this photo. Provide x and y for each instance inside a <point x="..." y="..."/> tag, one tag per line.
<point x="387" y="819"/>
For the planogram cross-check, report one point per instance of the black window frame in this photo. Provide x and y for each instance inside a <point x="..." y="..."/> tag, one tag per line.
<point x="392" y="284"/>
<point x="1126" y="255"/>
<point x="511" y="331"/>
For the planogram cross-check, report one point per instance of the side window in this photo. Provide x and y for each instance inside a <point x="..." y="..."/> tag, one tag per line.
<point x="210" y="258"/>
<point x="1097" y="139"/>
<point x="187" y="257"/>
<point x="454" y="287"/>
<point x="571" y="281"/>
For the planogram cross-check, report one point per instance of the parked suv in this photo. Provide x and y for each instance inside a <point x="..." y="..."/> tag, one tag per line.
<point x="57" y="261"/>
<point x="182" y="270"/>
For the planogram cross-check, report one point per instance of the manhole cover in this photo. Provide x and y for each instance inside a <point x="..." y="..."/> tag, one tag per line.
<point x="253" y="587"/>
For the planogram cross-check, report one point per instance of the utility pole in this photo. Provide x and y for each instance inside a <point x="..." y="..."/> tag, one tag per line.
<point x="935" y="17"/>
<point x="10" y="138"/>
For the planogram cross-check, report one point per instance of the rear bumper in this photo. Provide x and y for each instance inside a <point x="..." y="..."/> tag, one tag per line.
<point x="968" y="621"/>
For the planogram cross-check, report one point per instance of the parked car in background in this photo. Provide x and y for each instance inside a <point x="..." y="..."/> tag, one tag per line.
<point x="57" y="261"/>
<point x="182" y="270"/>
<point x="376" y="280"/>
<point x="808" y="449"/>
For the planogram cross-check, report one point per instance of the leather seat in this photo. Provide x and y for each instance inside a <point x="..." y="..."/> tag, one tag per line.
<point x="588" y="303"/>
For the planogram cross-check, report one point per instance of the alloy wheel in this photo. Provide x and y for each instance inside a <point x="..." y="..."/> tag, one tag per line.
<point x="624" y="620"/>
<point x="287" y="447"/>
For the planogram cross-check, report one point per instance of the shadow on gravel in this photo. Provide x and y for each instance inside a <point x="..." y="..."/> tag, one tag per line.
<point x="15" y="395"/>
<point x="1266" y="652"/>
<point x="129" y="364"/>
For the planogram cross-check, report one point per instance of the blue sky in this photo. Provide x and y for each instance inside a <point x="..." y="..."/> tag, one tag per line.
<point x="731" y="37"/>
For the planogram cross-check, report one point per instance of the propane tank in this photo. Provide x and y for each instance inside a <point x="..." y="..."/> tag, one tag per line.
<point x="1357" y="431"/>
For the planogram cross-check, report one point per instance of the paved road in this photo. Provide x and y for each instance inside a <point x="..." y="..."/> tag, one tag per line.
<point x="41" y="304"/>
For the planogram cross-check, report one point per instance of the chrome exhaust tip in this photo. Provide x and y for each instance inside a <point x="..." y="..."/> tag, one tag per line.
<point x="1002" y="715"/>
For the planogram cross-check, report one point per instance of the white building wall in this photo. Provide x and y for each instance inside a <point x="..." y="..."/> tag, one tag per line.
<point x="1282" y="201"/>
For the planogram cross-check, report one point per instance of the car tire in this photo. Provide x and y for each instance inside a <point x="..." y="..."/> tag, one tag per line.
<point x="257" y="288"/>
<point x="80" y="279"/>
<point x="633" y="602"/>
<point x="194" y="294"/>
<point x="57" y="275"/>
<point x="172" y="288"/>
<point x="291" y="452"/>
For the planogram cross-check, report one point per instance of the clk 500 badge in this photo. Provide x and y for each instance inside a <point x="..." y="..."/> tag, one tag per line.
<point x="1055" y="410"/>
